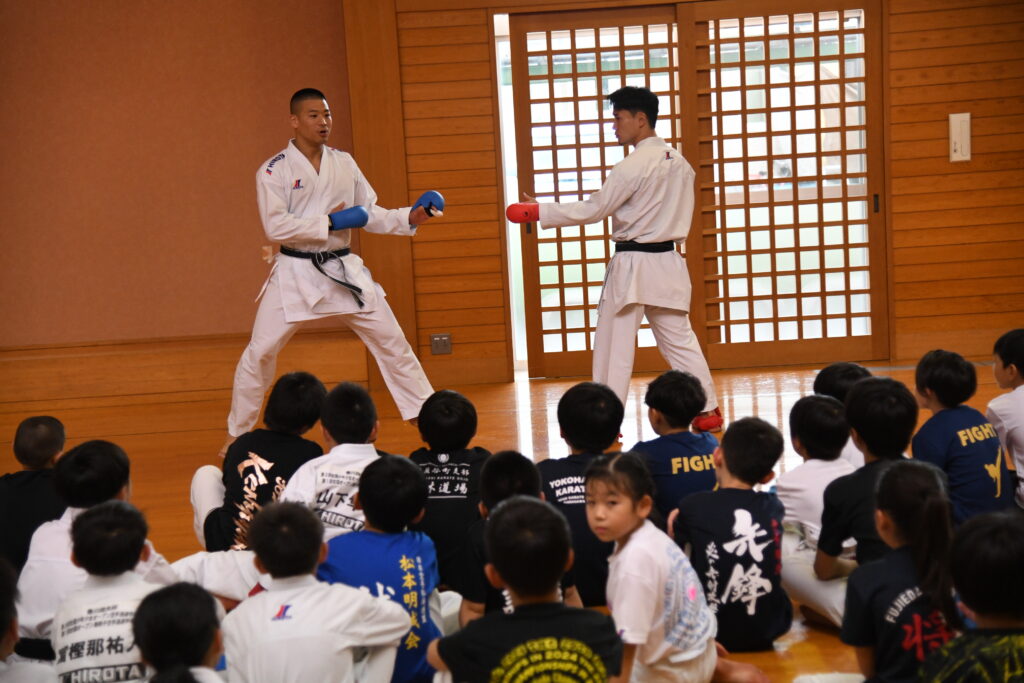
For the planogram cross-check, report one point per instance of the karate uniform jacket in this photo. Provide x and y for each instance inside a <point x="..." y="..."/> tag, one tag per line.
<point x="649" y="196"/>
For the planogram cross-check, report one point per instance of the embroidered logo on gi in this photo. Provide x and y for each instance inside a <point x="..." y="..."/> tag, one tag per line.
<point x="282" y="613"/>
<point x="298" y="184"/>
<point x="270" y="166"/>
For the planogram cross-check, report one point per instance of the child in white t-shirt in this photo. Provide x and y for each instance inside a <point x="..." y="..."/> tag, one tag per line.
<point x="1006" y="411"/>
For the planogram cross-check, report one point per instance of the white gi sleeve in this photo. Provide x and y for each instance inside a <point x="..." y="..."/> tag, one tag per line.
<point x="618" y="187"/>
<point x="156" y="569"/>
<point x="382" y="621"/>
<point x="383" y="221"/>
<point x="300" y="488"/>
<point x="278" y="223"/>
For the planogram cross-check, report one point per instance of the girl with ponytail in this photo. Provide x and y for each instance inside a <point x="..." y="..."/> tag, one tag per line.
<point x="177" y="628"/>
<point x="900" y="608"/>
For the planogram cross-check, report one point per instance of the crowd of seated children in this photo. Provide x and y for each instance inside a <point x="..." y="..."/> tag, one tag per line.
<point x="589" y="418"/>
<point x="957" y="438"/>
<point x="734" y="536"/>
<point x="447" y="423"/>
<point x="258" y="464"/>
<point x="28" y="498"/>
<point x="679" y="459"/>
<point x="1006" y="412"/>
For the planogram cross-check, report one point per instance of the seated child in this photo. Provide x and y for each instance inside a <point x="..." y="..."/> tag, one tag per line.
<point x="258" y="464"/>
<point x="447" y="422"/>
<point x="300" y="629"/>
<point x="387" y="560"/>
<point x="900" y="607"/>
<point x="818" y="430"/>
<point x="28" y="498"/>
<point x="958" y="439"/>
<point x="87" y="475"/>
<point x="177" y="630"/>
<point x="590" y="417"/>
<point x="987" y="555"/>
<point x="529" y="548"/>
<point x="327" y="485"/>
<point x="882" y="414"/>
<point x="11" y="670"/>
<point x="1006" y="412"/>
<point x="92" y="630"/>
<point x="836" y="381"/>
<point x="735" y="536"/>
<point x="679" y="460"/>
<point x="505" y="474"/>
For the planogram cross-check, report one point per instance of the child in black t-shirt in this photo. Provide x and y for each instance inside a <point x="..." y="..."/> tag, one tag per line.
<point x="529" y="548"/>
<point x="679" y="460"/>
<point x="735" y="539"/>
<point x="28" y="498"/>
<point x="900" y="608"/>
<point x="504" y="474"/>
<point x="590" y="417"/>
<point x="447" y="423"/>
<point x="258" y="464"/>
<point x="987" y="556"/>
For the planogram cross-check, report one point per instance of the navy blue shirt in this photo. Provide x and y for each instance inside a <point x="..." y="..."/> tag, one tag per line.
<point x="962" y="442"/>
<point x="680" y="464"/>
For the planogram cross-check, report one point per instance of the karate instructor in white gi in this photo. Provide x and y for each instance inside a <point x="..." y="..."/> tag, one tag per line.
<point x="310" y="198"/>
<point x="649" y="196"/>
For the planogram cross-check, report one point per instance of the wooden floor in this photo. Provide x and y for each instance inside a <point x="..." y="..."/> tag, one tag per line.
<point x="169" y="435"/>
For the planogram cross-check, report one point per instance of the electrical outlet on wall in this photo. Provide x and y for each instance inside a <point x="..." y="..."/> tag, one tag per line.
<point x="440" y="344"/>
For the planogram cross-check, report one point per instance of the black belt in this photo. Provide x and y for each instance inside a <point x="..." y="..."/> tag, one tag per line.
<point x="319" y="258"/>
<point x="649" y="247"/>
<point x="35" y="648"/>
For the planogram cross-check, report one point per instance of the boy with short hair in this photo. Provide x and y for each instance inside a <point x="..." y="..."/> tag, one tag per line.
<point x="680" y="461"/>
<point x="92" y="630"/>
<point x="958" y="439"/>
<point x="529" y="547"/>
<point x="986" y="557"/>
<point x="589" y="417"/>
<point x="300" y="629"/>
<point x="328" y="484"/>
<point x="389" y="561"/>
<point x="447" y="423"/>
<point x="735" y="539"/>
<point x="258" y="464"/>
<point x="28" y="498"/>
<point x="14" y="671"/>
<point x="1006" y="412"/>
<point x="836" y="380"/>
<point x="87" y="475"/>
<point x="505" y="474"/>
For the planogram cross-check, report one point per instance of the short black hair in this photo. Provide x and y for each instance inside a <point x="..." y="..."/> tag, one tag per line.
<point x="8" y="594"/>
<point x="447" y="421"/>
<point x="287" y="539"/>
<point x="590" y="417"/>
<point x="392" y="491"/>
<point x="528" y="542"/>
<point x="294" y="404"/>
<point x="303" y="95"/>
<point x="751" y="447"/>
<point x="836" y="379"/>
<point x="987" y="555"/>
<point x="625" y="472"/>
<point x="107" y="539"/>
<point x="884" y="414"/>
<point x="950" y="376"/>
<point x="174" y="627"/>
<point x="348" y="414"/>
<point x="91" y="473"/>
<point x="634" y="99"/>
<point x="678" y="396"/>
<point x="506" y="474"/>
<point x="819" y="422"/>
<point x="37" y="440"/>
<point x="1010" y="349"/>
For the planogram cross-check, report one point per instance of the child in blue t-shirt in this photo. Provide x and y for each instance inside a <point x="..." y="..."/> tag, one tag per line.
<point x="958" y="438"/>
<point x="680" y="461"/>
<point x="390" y="561"/>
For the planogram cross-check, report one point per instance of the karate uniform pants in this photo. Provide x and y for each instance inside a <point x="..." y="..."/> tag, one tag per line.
<point x="615" y="346"/>
<point x="206" y="494"/>
<point x="827" y="598"/>
<point x="378" y="329"/>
